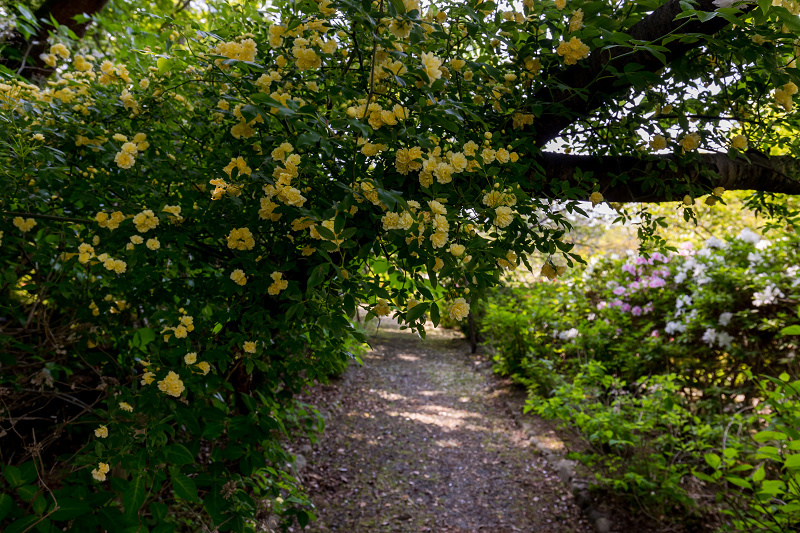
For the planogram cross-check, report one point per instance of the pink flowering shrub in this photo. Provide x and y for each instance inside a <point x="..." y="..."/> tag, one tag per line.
<point x="651" y="358"/>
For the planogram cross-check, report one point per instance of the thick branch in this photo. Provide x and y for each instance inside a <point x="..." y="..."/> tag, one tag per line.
<point x="591" y="82"/>
<point x="64" y="13"/>
<point x="630" y="179"/>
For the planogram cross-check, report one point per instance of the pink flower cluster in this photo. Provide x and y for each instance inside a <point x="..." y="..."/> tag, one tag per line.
<point x="642" y="281"/>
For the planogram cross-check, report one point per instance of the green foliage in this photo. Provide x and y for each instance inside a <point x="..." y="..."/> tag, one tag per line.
<point x="650" y="360"/>
<point x="197" y="204"/>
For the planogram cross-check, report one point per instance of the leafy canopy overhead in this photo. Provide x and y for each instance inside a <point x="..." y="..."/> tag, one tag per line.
<point x="195" y="201"/>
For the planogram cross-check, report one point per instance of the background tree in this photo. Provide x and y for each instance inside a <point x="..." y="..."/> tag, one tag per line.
<point x="195" y="206"/>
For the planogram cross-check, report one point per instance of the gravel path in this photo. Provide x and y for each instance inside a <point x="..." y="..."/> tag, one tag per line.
<point x="417" y="441"/>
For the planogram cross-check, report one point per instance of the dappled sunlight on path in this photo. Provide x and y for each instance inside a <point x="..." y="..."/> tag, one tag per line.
<point x="418" y="441"/>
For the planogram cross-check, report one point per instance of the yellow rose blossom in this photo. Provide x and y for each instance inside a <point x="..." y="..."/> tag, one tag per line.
<point x="658" y="142"/>
<point x="739" y="142"/>
<point x="241" y="239"/>
<point x="457" y="249"/>
<point x="431" y="64"/>
<point x="148" y="378"/>
<point x="204" y="367"/>
<point x="100" y="472"/>
<point x="382" y="308"/>
<point x="145" y="221"/>
<point x="459" y="310"/>
<point x="503" y="216"/>
<point x="239" y="277"/>
<point x="190" y="358"/>
<point x="153" y="243"/>
<point x="595" y="198"/>
<point x="101" y="432"/>
<point x="278" y="284"/>
<point x="249" y="347"/>
<point x="126" y="407"/>
<point x="690" y="141"/>
<point x="572" y="51"/>
<point x="171" y="384"/>
<point x="24" y="225"/>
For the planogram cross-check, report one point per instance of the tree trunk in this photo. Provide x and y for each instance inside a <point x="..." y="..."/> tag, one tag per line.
<point x="630" y="179"/>
<point x="591" y="83"/>
<point x="27" y="63"/>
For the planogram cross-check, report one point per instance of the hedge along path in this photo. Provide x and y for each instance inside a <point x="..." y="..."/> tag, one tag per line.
<point x="416" y="440"/>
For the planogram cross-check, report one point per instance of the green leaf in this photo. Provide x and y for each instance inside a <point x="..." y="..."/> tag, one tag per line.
<point x="142" y="337"/>
<point x="27" y="492"/>
<point x="23" y="524"/>
<point x="133" y="497"/>
<point x="435" y="314"/>
<point x="6" y="503"/>
<point x="69" y="508"/>
<point x="307" y="139"/>
<point x="713" y="460"/>
<point x="302" y="516"/>
<point x="178" y="454"/>
<point x="764" y="436"/>
<point x="759" y="474"/>
<point x="792" y="462"/>
<point x="400" y="9"/>
<point x="183" y="486"/>
<point x="325" y="233"/>
<point x="13" y="476"/>
<point x="739" y="482"/>
<point x="416" y="311"/>
<point x="791" y="330"/>
<point x="318" y="275"/>
<point x="164" y="65"/>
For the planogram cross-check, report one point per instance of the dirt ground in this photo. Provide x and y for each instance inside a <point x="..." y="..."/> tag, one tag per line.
<point x="417" y="440"/>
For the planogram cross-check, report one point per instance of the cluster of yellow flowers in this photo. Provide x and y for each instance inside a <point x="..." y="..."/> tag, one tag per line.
<point x="241" y="239"/>
<point x="381" y="308"/>
<point x="783" y="96"/>
<point x="243" y="51"/>
<point x="278" y="284"/>
<point x="145" y="221"/>
<point x="57" y="50"/>
<point x="116" y="265"/>
<point x="126" y="157"/>
<point x="175" y="211"/>
<point x="85" y="252"/>
<point x="238" y="277"/>
<point x="100" y="472"/>
<point x="690" y="141"/>
<point x="572" y="51"/>
<point x="508" y="262"/>
<point x="171" y="384"/>
<point x="376" y="115"/>
<point x="576" y="21"/>
<point x="551" y="271"/>
<point x="110" y="222"/>
<point x="495" y="198"/>
<point x="110" y="71"/>
<point x="24" y="225"/>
